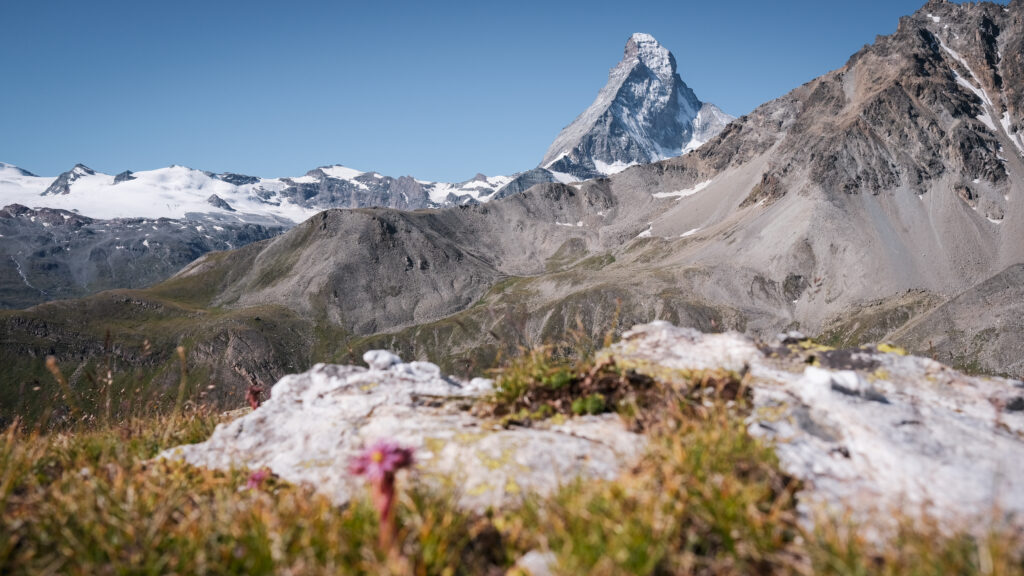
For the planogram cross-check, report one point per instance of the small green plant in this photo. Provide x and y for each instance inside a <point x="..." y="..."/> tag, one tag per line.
<point x="539" y="385"/>
<point x="592" y="404"/>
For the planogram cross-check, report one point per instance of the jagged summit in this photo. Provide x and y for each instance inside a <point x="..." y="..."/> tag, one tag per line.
<point x="646" y="50"/>
<point x="644" y="113"/>
<point x="62" y="185"/>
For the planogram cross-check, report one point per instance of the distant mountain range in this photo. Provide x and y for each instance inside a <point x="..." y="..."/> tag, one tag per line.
<point x="178" y="193"/>
<point x="645" y="113"/>
<point x="881" y="201"/>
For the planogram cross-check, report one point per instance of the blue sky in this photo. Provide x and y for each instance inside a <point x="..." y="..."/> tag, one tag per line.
<point x="438" y="90"/>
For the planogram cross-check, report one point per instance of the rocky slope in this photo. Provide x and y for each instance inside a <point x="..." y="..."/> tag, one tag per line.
<point x="50" y="254"/>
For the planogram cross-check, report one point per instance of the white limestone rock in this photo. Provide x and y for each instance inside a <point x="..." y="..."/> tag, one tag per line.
<point x="317" y="421"/>
<point x="892" y="433"/>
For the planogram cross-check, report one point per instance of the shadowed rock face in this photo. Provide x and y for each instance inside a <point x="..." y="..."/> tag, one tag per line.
<point x="62" y="183"/>
<point x="48" y="254"/>
<point x="403" y="193"/>
<point x="927" y="102"/>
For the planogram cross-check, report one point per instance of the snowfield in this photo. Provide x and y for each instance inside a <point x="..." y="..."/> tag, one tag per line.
<point x="179" y="192"/>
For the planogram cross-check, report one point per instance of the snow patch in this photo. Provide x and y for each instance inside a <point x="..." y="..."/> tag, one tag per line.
<point x="24" y="278"/>
<point x="1016" y="138"/>
<point x="683" y="193"/>
<point x="987" y="121"/>
<point x="564" y="178"/>
<point x="979" y="92"/>
<point x="689" y="233"/>
<point x="341" y="172"/>
<point x="613" y="168"/>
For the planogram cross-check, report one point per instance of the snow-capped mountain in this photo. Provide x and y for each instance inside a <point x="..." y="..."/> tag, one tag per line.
<point x="645" y="113"/>
<point x="86" y="231"/>
<point x="178" y="192"/>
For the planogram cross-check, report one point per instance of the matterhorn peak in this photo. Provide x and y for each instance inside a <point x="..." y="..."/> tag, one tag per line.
<point x="646" y="50"/>
<point x="645" y="113"/>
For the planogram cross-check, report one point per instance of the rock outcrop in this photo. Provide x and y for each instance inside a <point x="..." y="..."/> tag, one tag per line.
<point x="62" y="184"/>
<point x="867" y="431"/>
<point x="317" y="421"/>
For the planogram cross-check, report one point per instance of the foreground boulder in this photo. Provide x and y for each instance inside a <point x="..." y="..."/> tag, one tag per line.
<point x="867" y="432"/>
<point x="317" y="421"/>
<point x="871" y="432"/>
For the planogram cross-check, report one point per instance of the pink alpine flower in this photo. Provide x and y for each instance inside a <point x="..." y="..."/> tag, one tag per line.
<point x="257" y="477"/>
<point x="379" y="463"/>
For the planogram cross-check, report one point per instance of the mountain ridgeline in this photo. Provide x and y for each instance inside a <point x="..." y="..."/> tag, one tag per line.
<point x="881" y="201"/>
<point x="645" y="113"/>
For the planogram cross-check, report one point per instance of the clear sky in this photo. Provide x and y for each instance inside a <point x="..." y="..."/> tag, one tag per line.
<point x="438" y="90"/>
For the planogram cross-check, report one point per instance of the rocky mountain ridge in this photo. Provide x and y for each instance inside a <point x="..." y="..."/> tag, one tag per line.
<point x="48" y="254"/>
